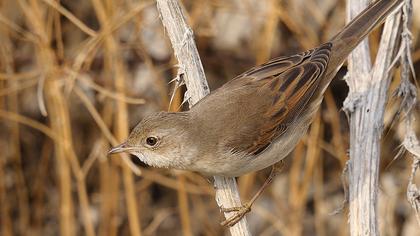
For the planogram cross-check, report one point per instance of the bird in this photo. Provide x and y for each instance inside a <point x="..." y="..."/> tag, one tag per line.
<point x="256" y="119"/>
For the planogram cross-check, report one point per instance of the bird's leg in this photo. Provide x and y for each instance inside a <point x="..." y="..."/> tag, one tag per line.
<point x="241" y="211"/>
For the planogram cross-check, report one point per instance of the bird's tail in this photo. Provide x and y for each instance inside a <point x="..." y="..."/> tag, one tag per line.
<point x="354" y="32"/>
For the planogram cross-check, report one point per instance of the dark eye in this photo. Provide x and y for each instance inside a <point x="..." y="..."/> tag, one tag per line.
<point x="151" y="141"/>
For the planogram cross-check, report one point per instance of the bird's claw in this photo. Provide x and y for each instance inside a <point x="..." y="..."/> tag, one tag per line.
<point x="240" y="212"/>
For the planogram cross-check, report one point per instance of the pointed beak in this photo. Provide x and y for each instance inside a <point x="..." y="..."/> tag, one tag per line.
<point x="123" y="147"/>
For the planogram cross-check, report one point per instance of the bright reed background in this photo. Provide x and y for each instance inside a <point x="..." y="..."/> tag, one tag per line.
<point x="76" y="76"/>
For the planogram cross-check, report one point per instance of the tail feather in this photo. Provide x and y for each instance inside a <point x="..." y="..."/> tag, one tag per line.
<point x="354" y="32"/>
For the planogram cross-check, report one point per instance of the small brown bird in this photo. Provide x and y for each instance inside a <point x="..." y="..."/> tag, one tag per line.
<point x="256" y="119"/>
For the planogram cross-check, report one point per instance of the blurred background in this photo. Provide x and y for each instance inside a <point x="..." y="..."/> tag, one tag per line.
<point x="76" y="76"/>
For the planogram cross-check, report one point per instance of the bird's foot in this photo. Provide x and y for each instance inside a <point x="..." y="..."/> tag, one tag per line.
<point x="240" y="212"/>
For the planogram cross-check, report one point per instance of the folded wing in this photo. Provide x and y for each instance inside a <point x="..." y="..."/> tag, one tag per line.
<point x="291" y="83"/>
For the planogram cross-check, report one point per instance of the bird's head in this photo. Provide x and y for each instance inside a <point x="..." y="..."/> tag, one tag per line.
<point x="159" y="140"/>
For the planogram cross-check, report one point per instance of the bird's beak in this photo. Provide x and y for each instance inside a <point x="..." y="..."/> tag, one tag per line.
<point x="123" y="147"/>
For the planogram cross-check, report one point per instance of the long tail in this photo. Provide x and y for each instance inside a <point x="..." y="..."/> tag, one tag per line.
<point x="354" y="32"/>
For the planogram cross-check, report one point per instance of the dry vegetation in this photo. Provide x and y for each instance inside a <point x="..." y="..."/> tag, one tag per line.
<point x="76" y="76"/>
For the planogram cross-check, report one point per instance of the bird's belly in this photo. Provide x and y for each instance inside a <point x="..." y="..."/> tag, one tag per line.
<point x="275" y="153"/>
<point x="237" y="165"/>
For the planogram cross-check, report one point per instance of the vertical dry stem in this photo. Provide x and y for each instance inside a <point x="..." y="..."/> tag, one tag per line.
<point x="183" y="206"/>
<point x="366" y="105"/>
<point x="181" y="37"/>
<point x="116" y="67"/>
<point x="6" y="61"/>
<point x="5" y="219"/>
<point x="58" y="112"/>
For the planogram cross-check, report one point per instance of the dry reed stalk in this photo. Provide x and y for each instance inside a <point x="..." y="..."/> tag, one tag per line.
<point x="64" y="116"/>
<point x="133" y="215"/>
<point x="58" y="108"/>
<point x="109" y="186"/>
<point x="171" y="183"/>
<point x="338" y="151"/>
<point x="313" y="11"/>
<point x="109" y="203"/>
<point x="107" y="93"/>
<point x="246" y="184"/>
<point x="14" y="139"/>
<point x="116" y="68"/>
<point x="294" y="187"/>
<point x="55" y="104"/>
<point x="54" y="100"/>
<point x="192" y="71"/>
<point x="60" y="123"/>
<point x="302" y="185"/>
<point x="204" y="219"/>
<point x="159" y="217"/>
<point x="266" y="40"/>
<point x="5" y="219"/>
<point x="100" y="122"/>
<point x="369" y="88"/>
<point x="315" y="162"/>
<point x="319" y="196"/>
<point x="277" y="226"/>
<point x="40" y="187"/>
<point x="109" y="177"/>
<point x="16" y="89"/>
<point x="198" y="179"/>
<point x="64" y="12"/>
<point x="289" y="19"/>
<point x="183" y="206"/>
<point x="29" y="122"/>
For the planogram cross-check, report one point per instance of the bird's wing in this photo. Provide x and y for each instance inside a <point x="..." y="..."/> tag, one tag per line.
<point x="291" y="82"/>
<point x="295" y="81"/>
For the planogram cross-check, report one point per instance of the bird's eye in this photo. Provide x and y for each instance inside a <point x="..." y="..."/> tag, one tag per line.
<point x="151" y="141"/>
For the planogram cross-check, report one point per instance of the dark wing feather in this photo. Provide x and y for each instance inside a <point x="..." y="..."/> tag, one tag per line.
<point x="291" y="81"/>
